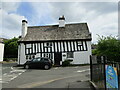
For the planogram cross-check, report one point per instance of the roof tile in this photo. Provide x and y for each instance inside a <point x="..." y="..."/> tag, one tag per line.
<point x="54" y="32"/>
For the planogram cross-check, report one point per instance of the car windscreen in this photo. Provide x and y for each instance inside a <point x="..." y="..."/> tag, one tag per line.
<point x="36" y="59"/>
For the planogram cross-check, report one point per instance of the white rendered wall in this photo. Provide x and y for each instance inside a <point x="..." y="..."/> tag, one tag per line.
<point x="83" y="57"/>
<point x="64" y="56"/>
<point x="1" y="51"/>
<point x="21" y="54"/>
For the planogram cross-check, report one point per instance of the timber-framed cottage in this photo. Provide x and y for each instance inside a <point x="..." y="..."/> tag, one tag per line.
<point x="58" y="42"/>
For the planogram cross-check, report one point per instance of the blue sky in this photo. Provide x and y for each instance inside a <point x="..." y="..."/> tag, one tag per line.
<point x="25" y="9"/>
<point x="102" y="17"/>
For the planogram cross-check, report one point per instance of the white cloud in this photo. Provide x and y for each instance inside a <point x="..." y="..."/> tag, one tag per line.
<point x="60" y="0"/>
<point x="11" y="22"/>
<point x="10" y="6"/>
<point x="102" y="18"/>
<point x="105" y="25"/>
<point x="11" y="0"/>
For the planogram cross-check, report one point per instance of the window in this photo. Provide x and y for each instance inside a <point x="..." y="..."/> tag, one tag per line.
<point x="36" y="60"/>
<point x="30" y="57"/>
<point x="70" y="55"/>
<point x="48" y="44"/>
<point x="44" y="59"/>
<point x="27" y="57"/>
<point x="28" y="48"/>
<point x="79" y="43"/>
<point x="47" y="55"/>
<point x="33" y="56"/>
<point x="28" y="45"/>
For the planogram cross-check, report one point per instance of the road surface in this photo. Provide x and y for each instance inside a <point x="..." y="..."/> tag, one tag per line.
<point x="56" y="77"/>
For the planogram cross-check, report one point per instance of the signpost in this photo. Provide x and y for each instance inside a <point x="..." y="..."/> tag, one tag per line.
<point x="111" y="78"/>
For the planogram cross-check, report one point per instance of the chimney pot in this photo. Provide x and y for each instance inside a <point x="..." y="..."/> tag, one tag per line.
<point x="62" y="17"/>
<point x="24" y="21"/>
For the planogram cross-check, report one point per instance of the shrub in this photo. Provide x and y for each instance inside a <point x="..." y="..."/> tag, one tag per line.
<point x="66" y="62"/>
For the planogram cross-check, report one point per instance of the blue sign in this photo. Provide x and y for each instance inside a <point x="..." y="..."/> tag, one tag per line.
<point x="111" y="78"/>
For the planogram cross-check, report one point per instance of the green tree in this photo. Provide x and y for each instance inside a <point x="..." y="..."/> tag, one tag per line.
<point x="11" y="48"/>
<point x="94" y="51"/>
<point x="110" y="47"/>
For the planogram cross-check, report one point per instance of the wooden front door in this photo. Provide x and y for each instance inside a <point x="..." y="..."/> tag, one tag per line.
<point x="57" y="58"/>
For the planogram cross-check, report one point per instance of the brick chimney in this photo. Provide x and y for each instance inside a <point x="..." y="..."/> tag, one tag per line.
<point x="62" y="21"/>
<point x="24" y="28"/>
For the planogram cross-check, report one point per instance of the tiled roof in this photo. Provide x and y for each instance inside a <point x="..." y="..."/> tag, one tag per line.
<point x="54" y="32"/>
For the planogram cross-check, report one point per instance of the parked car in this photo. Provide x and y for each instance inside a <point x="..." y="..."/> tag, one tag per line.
<point x="39" y="62"/>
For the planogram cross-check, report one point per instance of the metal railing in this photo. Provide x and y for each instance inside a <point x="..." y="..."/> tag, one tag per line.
<point x="98" y="73"/>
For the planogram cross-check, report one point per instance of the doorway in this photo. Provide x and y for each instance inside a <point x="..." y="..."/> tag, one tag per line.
<point x="57" y="58"/>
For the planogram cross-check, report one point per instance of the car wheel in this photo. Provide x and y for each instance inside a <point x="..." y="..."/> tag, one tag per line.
<point x="46" y="67"/>
<point x="27" y="66"/>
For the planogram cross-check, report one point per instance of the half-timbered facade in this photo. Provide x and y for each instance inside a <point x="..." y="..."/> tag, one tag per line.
<point x="58" y="42"/>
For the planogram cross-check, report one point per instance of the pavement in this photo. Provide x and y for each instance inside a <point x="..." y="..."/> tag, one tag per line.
<point x="81" y="85"/>
<point x="68" y="78"/>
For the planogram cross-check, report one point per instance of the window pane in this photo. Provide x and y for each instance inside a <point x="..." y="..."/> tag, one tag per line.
<point x="38" y="59"/>
<point x="70" y="55"/>
<point x="48" y="44"/>
<point x="34" y="60"/>
<point x="28" y="45"/>
<point x="79" y="43"/>
<point x="46" y="59"/>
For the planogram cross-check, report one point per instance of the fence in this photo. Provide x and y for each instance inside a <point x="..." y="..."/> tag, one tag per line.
<point x="98" y="73"/>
